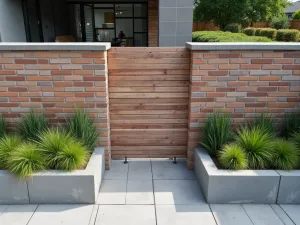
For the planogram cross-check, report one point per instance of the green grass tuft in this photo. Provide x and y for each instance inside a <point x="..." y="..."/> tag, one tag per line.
<point x="8" y="144"/>
<point x="264" y="122"/>
<point x="257" y="146"/>
<point x="216" y="133"/>
<point x="73" y="156"/>
<point x="31" y="125"/>
<point x="296" y="139"/>
<point x="25" y="160"/>
<point x="3" y="127"/>
<point x="292" y="124"/>
<point x="285" y="155"/>
<point x="81" y="126"/>
<point x="233" y="157"/>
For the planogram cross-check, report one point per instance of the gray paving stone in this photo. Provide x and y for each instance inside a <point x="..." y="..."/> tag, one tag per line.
<point x="139" y="192"/>
<point x="118" y="171"/>
<point x="126" y="215"/>
<point x="62" y="214"/>
<point x="184" y="214"/>
<point x="293" y="212"/>
<point x="94" y="215"/>
<point x="178" y="192"/>
<point x="140" y="170"/>
<point x="166" y="170"/>
<point x="282" y="215"/>
<point x="230" y="214"/>
<point x="17" y="214"/>
<point x="262" y="215"/>
<point x="112" y="192"/>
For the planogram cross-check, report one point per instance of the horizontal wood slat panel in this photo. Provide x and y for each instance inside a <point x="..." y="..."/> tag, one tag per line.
<point x="149" y="97"/>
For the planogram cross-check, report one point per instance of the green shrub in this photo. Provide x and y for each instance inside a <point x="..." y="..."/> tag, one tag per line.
<point x="220" y="36"/>
<point x="288" y="35"/>
<point x="292" y="124"/>
<point x="31" y="125"/>
<point x="296" y="139"/>
<point x="73" y="156"/>
<point x="250" y="31"/>
<point x="264" y="122"/>
<point x="284" y="155"/>
<point x="3" y="127"/>
<point x="269" y="33"/>
<point x="216" y="132"/>
<point x="233" y="28"/>
<point x="233" y="157"/>
<point x="81" y="126"/>
<point x="258" y="31"/>
<point x="281" y="22"/>
<point x="257" y="146"/>
<point x="296" y="15"/>
<point x="25" y="160"/>
<point x="62" y="151"/>
<point x="8" y="144"/>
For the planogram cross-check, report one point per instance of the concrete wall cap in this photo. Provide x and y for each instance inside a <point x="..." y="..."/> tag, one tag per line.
<point x="69" y="46"/>
<point x="243" y="46"/>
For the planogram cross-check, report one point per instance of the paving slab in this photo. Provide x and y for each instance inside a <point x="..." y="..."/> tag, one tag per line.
<point x="229" y="214"/>
<point x="94" y="215"/>
<point x="262" y="215"/>
<point x="62" y="214"/>
<point x="293" y="211"/>
<point x="118" y="171"/>
<point x="112" y="192"/>
<point x="139" y="170"/>
<point x="184" y="214"/>
<point x="139" y="192"/>
<point x="282" y="215"/>
<point x="177" y="192"/>
<point x="166" y="170"/>
<point x="17" y="214"/>
<point x="2" y="208"/>
<point x="126" y="215"/>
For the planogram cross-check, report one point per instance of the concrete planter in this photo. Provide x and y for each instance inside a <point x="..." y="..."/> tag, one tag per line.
<point x="226" y="186"/>
<point x="56" y="187"/>
<point x="289" y="188"/>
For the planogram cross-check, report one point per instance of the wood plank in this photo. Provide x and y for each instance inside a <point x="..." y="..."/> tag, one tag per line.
<point x="148" y="89"/>
<point x="148" y="107"/>
<point x="148" y="49"/>
<point x="130" y="117"/>
<point x="159" y="132"/>
<point x="149" y="66"/>
<point x="150" y="78"/>
<point x="149" y="95"/>
<point x="149" y="112"/>
<point x="134" y="83"/>
<point x="147" y="55"/>
<point x="145" y="137"/>
<point x="153" y="142"/>
<point x="148" y="148"/>
<point x="148" y="126"/>
<point x="149" y="121"/>
<point x="131" y="72"/>
<point x="142" y="155"/>
<point x="115" y="60"/>
<point x="152" y="100"/>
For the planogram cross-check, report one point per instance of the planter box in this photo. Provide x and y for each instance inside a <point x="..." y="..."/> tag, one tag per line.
<point x="12" y="190"/>
<point x="227" y="186"/>
<point x="289" y="188"/>
<point x="56" y="187"/>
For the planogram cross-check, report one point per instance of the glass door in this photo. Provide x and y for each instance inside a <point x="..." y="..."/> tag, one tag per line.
<point x="89" y="23"/>
<point x="124" y="24"/>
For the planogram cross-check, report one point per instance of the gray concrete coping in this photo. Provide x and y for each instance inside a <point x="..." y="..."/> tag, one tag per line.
<point x="243" y="46"/>
<point x="69" y="46"/>
<point x="240" y="186"/>
<point x="289" y="189"/>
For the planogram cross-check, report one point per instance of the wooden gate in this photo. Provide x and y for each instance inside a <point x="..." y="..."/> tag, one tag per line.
<point x="149" y="98"/>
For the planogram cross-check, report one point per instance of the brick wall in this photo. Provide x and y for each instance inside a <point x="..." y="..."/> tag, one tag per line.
<point x="56" y="82"/>
<point x="152" y="23"/>
<point x="243" y="83"/>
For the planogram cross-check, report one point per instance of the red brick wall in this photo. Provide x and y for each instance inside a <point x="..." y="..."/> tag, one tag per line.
<point x="243" y="83"/>
<point x="56" y="82"/>
<point x="152" y="23"/>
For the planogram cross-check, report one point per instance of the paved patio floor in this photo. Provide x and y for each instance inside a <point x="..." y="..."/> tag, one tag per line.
<point x="150" y="192"/>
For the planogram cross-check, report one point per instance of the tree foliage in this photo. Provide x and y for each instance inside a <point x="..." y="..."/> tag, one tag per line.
<point x="224" y="12"/>
<point x="296" y="15"/>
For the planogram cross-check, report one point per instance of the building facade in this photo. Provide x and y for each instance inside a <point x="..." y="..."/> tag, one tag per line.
<point x="122" y="22"/>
